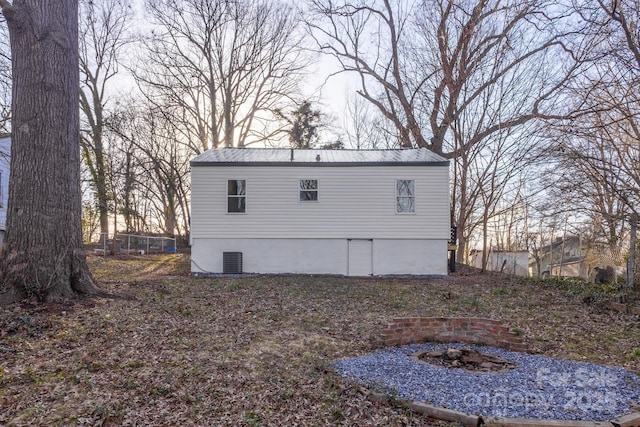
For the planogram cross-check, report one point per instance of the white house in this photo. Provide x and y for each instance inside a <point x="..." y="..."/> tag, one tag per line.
<point x="5" y="153"/>
<point x="345" y="212"/>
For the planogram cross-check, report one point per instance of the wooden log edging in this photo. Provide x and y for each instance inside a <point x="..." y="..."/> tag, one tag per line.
<point x="630" y="420"/>
<point x="468" y="420"/>
<point x="471" y="330"/>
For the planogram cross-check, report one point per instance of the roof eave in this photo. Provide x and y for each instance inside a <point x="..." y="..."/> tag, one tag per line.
<point x="319" y="164"/>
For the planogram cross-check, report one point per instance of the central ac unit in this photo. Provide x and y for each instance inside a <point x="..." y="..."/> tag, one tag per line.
<point x="232" y="262"/>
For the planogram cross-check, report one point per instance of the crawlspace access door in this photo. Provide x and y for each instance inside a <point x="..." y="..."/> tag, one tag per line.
<point x="360" y="261"/>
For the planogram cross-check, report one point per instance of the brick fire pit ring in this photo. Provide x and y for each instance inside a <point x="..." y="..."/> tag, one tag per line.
<point x="539" y="391"/>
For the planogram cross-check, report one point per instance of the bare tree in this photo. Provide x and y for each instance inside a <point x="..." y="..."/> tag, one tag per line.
<point x="623" y="15"/>
<point x="154" y="182"/>
<point x="166" y="161"/>
<point x="585" y="175"/>
<point x="124" y="172"/>
<point x="605" y="144"/>
<point x="495" y="171"/>
<point x="455" y="76"/>
<point x="433" y="64"/>
<point x="103" y="27"/>
<point x="596" y="156"/>
<point x="364" y="127"/>
<point x="349" y="31"/>
<point x="220" y="69"/>
<point x="44" y="257"/>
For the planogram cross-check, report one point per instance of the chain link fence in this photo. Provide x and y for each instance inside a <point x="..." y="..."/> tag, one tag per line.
<point x="135" y="244"/>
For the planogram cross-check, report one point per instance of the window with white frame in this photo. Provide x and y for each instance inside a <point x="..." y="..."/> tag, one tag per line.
<point x="405" y="196"/>
<point x="236" y="196"/>
<point x="308" y="190"/>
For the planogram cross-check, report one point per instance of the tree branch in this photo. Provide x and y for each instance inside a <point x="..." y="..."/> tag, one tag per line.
<point x="8" y="10"/>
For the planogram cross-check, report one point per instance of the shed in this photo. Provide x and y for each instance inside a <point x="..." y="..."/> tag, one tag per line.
<point x="344" y="212"/>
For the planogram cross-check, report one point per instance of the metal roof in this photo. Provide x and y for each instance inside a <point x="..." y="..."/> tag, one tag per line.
<point x="313" y="157"/>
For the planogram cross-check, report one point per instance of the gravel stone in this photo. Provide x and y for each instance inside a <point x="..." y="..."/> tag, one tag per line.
<point x="539" y="387"/>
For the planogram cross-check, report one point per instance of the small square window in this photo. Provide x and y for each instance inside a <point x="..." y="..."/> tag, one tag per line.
<point x="308" y="190"/>
<point x="405" y="196"/>
<point x="236" y="196"/>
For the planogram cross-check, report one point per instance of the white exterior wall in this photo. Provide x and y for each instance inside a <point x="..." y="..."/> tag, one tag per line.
<point x="321" y="256"/>
<point x="280" y="234"/>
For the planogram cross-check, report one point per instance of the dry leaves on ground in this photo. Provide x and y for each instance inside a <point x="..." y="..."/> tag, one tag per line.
<point x="170" y="349"/>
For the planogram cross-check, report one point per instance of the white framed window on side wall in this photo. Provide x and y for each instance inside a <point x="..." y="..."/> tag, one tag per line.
<point x="236" y="196"/>
<point x="405" y="196"/>
<point x="308" y="190"/>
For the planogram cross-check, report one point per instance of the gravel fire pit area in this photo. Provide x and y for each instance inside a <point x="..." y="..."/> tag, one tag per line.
<point x="533" y="386"/>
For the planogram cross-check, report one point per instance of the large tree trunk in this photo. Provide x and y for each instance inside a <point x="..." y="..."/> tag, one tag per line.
<point x="44" y="257"/>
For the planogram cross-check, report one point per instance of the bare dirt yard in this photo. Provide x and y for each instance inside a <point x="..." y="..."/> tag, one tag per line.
<point x="169" y="349"/>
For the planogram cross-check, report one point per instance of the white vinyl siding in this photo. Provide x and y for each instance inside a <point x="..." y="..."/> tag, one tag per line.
<point x="356" y="203"/>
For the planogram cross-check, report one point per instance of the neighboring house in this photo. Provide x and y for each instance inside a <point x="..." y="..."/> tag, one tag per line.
<point x="564" y="257"/>
<point x="573" y="257"/>
<point x="5" y="152"/>
<point x="510" y="262"/>
<point x="345" y="212"/>
<point x="570" y="268"/>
